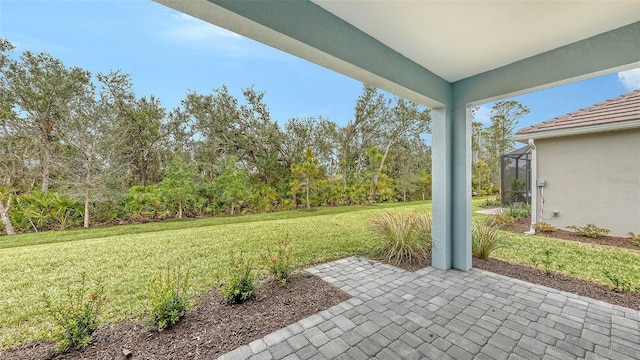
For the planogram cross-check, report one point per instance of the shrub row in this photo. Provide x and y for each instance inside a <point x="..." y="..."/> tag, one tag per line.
<point x="167" y="299"/>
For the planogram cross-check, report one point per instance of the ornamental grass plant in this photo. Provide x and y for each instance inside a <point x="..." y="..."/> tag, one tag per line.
<point x="406" y="237"/>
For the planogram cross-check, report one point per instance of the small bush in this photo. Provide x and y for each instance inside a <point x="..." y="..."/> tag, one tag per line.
<point x="405" y="237"/>
<point x="501" y="219"/>
<point x="280" y="262"/>
<point x="634" y="238"/>
<point x="589" y="230"/>
<point x="77" y="316"/>
<point x="239" y="284"/>
<point x="484" y="239"/>
<point x="542" y="226"/>
<point x="168" y="298"/>
<point x="491" y="202"/>
<point x="547" y="265"/>
<point x="517" y="212"/>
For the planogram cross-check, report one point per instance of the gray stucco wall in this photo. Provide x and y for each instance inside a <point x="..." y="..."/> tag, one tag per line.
<point x="592" y="179"/>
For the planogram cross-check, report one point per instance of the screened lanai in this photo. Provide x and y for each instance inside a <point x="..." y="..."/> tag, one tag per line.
<point x="515" y="187"/>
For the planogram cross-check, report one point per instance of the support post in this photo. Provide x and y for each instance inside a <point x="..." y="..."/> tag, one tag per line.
<point x="451" y="134"/>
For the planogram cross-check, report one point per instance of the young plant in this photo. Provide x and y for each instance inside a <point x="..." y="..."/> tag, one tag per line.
<point x="280" y="261"/>
<point x="168" y="297"/>
<point x="546" y="263"/>
<point x="405" y="237"/>
<point x="589" y="230"/>
<point x="484" y="239"/>
<point x="542" y="226"/>
<point x="619" y="284"/>
<point x="517" y="212"/>
<point x="634" y="238"/>
<point x="77" y="316"/>
<point x="239" y="284"/>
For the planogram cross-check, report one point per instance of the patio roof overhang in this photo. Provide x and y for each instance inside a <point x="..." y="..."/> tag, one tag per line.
<point x="445" y="55"/>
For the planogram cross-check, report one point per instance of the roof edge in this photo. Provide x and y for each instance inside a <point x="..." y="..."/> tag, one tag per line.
<point x="623" y="125"/>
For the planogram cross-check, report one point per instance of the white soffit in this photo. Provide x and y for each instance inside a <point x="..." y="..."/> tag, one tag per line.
<point x="459" y="39"/>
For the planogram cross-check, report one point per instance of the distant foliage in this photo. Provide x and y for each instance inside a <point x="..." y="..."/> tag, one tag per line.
<point x="82" y="136"/>
<point x="168" y="297"/>
<point x="635" y="238"/>
<point x="485" y="239"/>
<point x="406" y="238"/>
<point x="590" y="230"/>
<point x="77" y="314"/>
<point x="37" y="211"/>
<point x="239" y="283"/>
<point x="491" y="202"/>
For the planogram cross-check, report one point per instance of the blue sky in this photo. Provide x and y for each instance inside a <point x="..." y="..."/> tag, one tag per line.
<point x="168" y="53"/>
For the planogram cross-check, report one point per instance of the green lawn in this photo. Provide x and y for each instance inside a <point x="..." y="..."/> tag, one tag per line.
<point x="124" y="258"/>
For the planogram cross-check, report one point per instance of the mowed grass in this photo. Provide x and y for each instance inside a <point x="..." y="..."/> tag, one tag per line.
<point x="582" y="260"/>
<point x="125" y="258"/>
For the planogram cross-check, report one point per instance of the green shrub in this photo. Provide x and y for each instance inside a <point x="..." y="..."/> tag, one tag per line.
<point x="77" y="316"/>
<point x="517" y="212"/>
<point x="490" y="202"/>
<point x="168" y="298"/>
<point x="405" y="237"/>
<point x="634" y="238"/>
<point x="239" y="284"/>
<point x="280" y="261"/>
<point x="484" y="239"/>
<point x="542" y="226"/>
<point x="589" y="230"/>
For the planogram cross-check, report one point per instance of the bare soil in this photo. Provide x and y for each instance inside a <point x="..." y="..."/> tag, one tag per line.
<point x="213" y="328"/>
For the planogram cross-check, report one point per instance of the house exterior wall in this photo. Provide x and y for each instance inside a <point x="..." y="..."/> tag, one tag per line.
<point x="591" y="178"/>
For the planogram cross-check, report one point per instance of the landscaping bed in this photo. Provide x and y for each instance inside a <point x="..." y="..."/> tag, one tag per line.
<point x="522" y="225"/>
<point x="213" y="327"/>
<point x="210" y="329"/>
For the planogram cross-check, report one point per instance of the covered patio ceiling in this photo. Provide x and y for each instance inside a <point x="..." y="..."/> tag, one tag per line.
<point x="459" y="39"/>
<point x="447" y="55"/>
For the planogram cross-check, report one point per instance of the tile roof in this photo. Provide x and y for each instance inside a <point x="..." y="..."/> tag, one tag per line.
<point x="620" y="109"/>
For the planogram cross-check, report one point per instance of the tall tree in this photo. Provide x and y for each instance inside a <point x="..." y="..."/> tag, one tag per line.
<point x="141" y="128"/>
<point x="405" y="120"/>
<point x="358" y="135"/>
<point x="232" y="185"/>
<point x="42" y="88"/>
<point x="213" y="119"/>
<point x="89" y="136"/>
<point x="304" y="173"/>
<point x="505" y="116"/>
<point x="180" y="186"/>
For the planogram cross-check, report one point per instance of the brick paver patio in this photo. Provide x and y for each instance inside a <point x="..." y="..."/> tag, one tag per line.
<point x="433" y="314"/>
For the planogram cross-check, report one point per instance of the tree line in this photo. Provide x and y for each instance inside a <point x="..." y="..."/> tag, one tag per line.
<point x="78" y="148"/>
<point x="81" y="149"/>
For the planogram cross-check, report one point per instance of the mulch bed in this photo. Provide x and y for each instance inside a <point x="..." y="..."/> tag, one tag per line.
<point x="213" y="328"/>
<point x="210" y="329"/>
<point x="523" y="225"/>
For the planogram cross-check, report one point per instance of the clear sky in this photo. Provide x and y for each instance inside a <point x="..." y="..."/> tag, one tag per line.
<point x="168" y="53"/>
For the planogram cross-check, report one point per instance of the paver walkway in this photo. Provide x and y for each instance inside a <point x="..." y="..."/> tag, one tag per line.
<point x="433" y="314"/>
